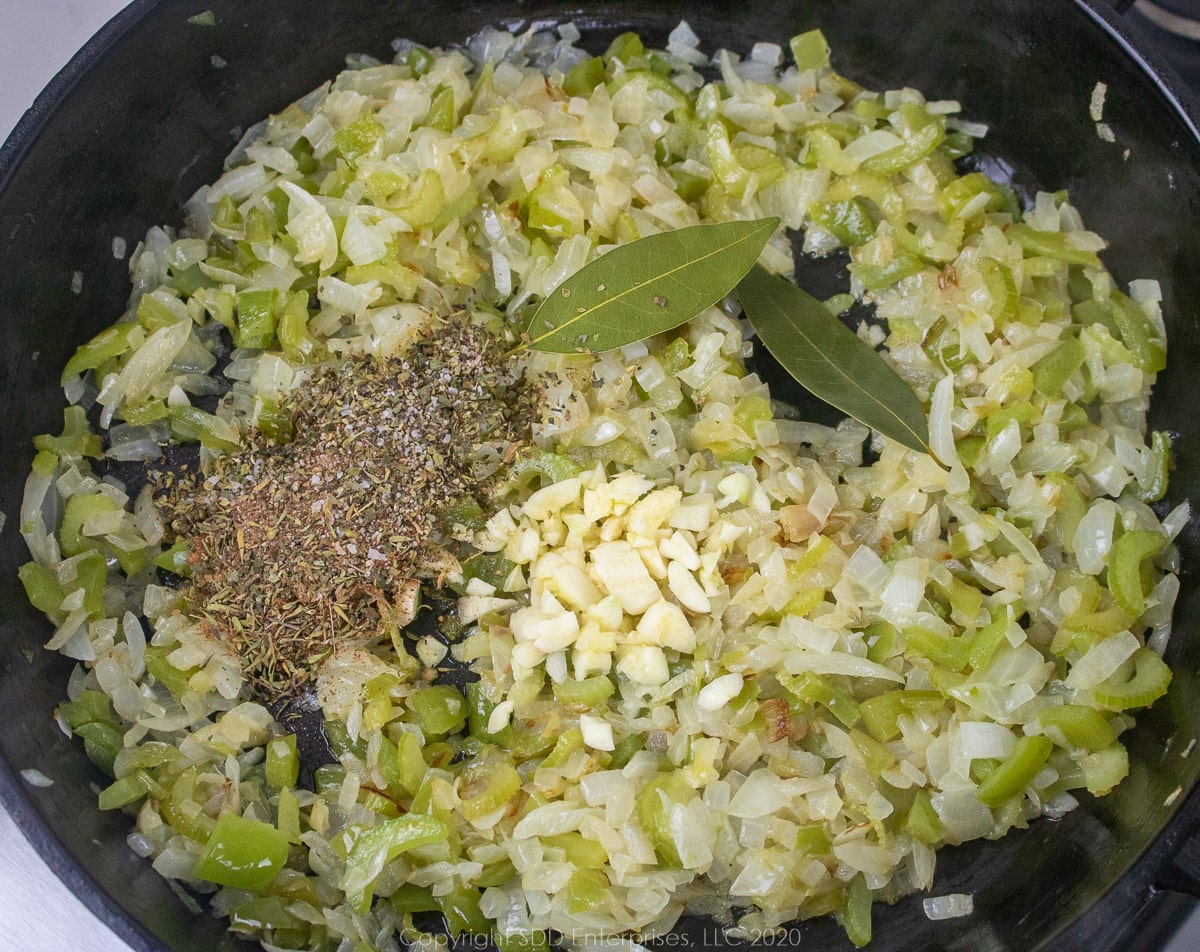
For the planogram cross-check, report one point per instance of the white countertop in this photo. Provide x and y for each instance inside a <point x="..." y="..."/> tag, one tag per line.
<point x="37" y="913"/>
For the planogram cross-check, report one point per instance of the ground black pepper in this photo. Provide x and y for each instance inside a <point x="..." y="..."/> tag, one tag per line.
<point x="297" y="548"/>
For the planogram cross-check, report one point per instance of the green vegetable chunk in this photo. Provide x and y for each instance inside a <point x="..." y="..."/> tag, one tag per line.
<point x="378" y="846"/>
<point x="1016" y="771"/>
<point x="245" y="854"/>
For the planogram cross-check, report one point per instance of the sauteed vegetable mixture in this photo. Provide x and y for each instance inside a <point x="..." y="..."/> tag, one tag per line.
<point x="716" y="657"/>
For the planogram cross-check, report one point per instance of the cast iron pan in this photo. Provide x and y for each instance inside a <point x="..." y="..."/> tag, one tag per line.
<point x="142" y="117"/>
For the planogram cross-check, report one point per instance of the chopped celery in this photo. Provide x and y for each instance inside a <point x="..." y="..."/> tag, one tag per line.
<point x="625" y="748"/>
<point x="740" y="170"/>
<point x="1016" y="771"/>
<point x="751" y="411"/>
<point x="880" y="637"/>
<point x="812" y="840"/>
<point x="419" y="60"/>
<point x="102" y="742"/>
<point x="966" y="192"/>
<point x="579" y="850"/>
<point x="1050" y="244"/>
<point x="1023" y="414"/>
<point x="1079" y="726"/>
<point x="154" y="314"/>
<point x="567" y="744"/>
<point x="675" y="356"/>
<point x="554" y="209"/>
<point x="192" y="423"/>
<point x="91" y="707"/>
<point x="1151" y="678"/>
<point x="1104" y="769"/>
<point x="1051" y="373"/>
<point x="803" y="602"/>
<point x="916" y="147"/>
<point x="1070" y="509"/>
<point x="988" y="639"/>
<point x="261" y="225"/>
<point x="394" y="274"/>
<point x="922" y="820"/>
<point x="1002" y="289"/>
<point x="1130" y="569"/>
<point x="460" y="908"/>
<point x="274" y="421"/>
<point x="421" y="203"/>
<point x="1153" y="488"/>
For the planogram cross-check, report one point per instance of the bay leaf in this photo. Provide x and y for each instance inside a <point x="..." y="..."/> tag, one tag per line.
<point x="647" y="286"/>
<point x="830" y="360"/>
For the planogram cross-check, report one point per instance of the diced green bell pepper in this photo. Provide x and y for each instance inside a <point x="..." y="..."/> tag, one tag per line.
<point x="438" y="709"/>
<point x="242" y="853"/>
<point x="76" y="440"/>
<point x="359" y="138"/>
<point x="810" y="50"/>
<point x="848" y="221"/>
<point x="379" y="845"/>
<point x="584" y="77"/>
<point x="283" y="762"/>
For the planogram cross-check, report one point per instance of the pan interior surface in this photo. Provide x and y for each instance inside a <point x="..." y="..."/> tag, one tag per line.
<point x="149" y="118"/>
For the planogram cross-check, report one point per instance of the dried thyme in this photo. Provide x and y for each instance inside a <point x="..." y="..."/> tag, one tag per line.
<point x="299" y="547"/>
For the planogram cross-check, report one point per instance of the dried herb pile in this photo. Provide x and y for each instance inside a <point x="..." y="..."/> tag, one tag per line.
<point x="296" y="548"/>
